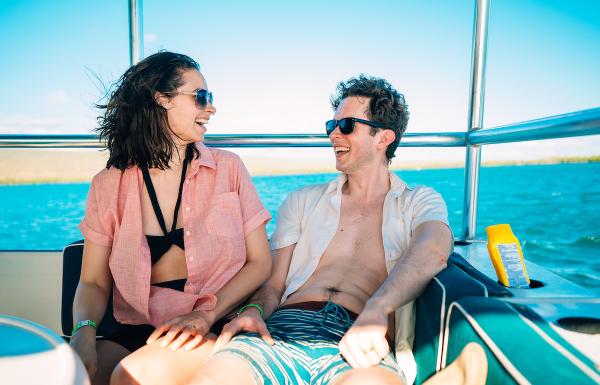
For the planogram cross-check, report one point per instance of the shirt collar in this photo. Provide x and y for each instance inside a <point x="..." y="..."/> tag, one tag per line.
<point x="397" y="185"/>
<point x="206" y="159"/>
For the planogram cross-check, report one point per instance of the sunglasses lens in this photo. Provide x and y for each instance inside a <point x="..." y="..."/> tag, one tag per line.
<point x="346" y="126"/>
<point x="203" y="97"/>
<point x="330" y="126"/>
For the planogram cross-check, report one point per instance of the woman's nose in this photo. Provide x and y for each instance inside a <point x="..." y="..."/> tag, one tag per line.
<point x="210" y="108"/>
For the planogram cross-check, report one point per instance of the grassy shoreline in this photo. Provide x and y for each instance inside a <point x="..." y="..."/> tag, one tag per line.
<point x="76" y="166"/>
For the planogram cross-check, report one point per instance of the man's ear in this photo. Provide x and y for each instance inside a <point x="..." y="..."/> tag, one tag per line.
<point x="387" y="137"/>
<point x="163" y="101"/>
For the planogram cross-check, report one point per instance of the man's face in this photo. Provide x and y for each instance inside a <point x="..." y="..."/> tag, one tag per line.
<point x="358" y="149"/>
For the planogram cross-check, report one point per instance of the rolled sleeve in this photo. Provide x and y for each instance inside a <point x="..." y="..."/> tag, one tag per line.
<point x="428" y="205"/>
<point x="92" y="226"/>
<point x="253" y="212"/>
<point x="288" y="227"/>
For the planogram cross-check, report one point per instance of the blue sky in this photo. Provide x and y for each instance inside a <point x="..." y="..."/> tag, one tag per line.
<point x="273" y="65"/>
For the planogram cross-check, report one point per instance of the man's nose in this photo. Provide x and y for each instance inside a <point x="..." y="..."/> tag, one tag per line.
<point x="336" y="132"/>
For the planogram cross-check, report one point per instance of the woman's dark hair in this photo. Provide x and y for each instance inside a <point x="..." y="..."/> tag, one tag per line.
<point x="386" y="106"/>
<point x="134" y="125"/>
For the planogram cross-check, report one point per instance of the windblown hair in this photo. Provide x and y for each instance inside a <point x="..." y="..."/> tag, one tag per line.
<point x="134" y="126"/>
<point x="386" y="105"/>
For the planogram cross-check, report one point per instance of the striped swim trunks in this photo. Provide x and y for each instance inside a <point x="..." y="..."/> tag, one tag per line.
<point x="306" y="346"/>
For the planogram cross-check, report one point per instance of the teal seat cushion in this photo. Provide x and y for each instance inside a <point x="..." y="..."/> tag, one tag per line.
<point x="521" y="347"/>
<point x="431" y="307"/>
<point x="492" y="286"/>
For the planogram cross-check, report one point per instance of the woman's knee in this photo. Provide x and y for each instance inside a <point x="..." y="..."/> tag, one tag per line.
<point x="120" y="376"/>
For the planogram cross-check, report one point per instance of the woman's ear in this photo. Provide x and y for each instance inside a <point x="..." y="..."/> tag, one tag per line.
<point x="163" y="101"/>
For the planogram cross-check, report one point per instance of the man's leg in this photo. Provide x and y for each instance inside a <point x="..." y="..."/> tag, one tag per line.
<point x="226" y="369"/>
<point x="373" y="376"/>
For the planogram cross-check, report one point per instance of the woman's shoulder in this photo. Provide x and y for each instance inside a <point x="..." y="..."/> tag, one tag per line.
<point x="109" y="178"/>
<point x="224" y="158"/>
<point x="223" y="155"/>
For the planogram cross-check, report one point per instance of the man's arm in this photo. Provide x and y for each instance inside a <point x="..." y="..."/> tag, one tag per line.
<point x="267" y="297"/>
<point x="269" y="294"/>
<point x="364" y="344"/>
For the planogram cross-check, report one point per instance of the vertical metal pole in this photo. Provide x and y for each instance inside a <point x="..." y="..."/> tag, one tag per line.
<point x="473" y="159"/>
<point x="136" y="32"/>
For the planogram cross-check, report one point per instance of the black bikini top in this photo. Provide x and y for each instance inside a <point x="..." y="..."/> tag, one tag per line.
<point x="160" y="244"/>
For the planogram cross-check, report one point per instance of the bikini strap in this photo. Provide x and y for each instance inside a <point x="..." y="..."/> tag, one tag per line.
<point x="153" y="199"/>
<point x="179" y="194"/>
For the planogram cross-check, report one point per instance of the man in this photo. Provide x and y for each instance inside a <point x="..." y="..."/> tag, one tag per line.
<point x="348" y="256"/>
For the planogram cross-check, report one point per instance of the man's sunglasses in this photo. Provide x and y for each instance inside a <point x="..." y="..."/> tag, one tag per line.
<point x="203" y="97"/>
<point x="346" y="125"/>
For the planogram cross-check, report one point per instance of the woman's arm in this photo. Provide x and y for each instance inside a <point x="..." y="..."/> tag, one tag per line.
<point x="90" y="301"/>
<point x="256" y="270"/>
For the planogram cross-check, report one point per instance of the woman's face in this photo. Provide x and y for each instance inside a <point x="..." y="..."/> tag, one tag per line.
<point x="187" y="118"/>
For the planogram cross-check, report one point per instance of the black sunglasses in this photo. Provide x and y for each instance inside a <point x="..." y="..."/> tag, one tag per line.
<point x="203" y="97"/>
<point x="346" y="125"/>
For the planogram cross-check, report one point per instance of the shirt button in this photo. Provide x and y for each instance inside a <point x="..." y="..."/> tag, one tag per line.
<point x="187" y="232"/>
<point x="187" y="208"/>
<point x="191" y="259"/>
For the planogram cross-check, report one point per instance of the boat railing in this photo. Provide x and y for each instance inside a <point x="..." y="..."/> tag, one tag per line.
<point x="580" y="123"/>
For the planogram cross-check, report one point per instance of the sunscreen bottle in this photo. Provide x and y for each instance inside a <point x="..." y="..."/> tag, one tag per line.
<point x="507" y="256"/>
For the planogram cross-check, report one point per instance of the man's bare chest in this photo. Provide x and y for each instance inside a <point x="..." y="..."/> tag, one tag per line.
<point x="358" y="233"/>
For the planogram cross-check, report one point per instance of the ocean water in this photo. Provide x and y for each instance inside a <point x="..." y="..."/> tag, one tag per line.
<point x="553" y="209"/>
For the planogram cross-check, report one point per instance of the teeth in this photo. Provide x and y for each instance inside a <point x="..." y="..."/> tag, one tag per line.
<point x="341" y="149"/>
<point x="202" y="121"/>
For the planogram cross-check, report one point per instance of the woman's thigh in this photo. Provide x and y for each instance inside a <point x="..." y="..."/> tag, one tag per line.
<point x="109" y="354"/>
<point x="153" y="364"/>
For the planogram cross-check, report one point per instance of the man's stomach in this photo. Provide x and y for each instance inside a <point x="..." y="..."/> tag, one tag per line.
<point x="353" y="299"/>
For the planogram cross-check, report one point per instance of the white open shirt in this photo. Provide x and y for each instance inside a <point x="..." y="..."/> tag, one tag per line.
<point x="309" y="217"/>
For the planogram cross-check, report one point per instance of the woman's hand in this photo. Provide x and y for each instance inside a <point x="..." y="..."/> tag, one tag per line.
<point x="250" y="321"/>
<point x="84" y="344"/>
<point x="176" y="332"/>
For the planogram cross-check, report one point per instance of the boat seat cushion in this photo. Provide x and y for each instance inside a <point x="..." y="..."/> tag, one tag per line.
<point x="72" y="255"/>
<point x="448" y="286"/>
<point x="493" y="288"/>
<point x="521" y="346"/>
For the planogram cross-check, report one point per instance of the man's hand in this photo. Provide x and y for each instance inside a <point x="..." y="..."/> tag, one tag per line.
<point x="364" y="344"/>
<point x="250" y="321"/>
<point x="194" y="325"/>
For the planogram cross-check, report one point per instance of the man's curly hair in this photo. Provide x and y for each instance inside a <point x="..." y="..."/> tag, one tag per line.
<point x="386" y="105"/>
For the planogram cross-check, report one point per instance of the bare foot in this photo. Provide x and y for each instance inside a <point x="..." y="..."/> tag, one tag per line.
<point x="469" y="368"/>
<point x="473" y="364"/>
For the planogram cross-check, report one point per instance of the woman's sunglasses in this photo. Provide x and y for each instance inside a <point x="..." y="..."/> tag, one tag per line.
<point x="346" y="125"/>
<point x="203" y="97"/>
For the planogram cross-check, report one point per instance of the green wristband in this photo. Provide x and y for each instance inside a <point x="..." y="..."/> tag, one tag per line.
<point x="254" y="305"/>
<point x="80" y="324"/>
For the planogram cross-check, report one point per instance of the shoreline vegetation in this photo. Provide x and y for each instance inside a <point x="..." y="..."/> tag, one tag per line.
<point x="36" y="166"/>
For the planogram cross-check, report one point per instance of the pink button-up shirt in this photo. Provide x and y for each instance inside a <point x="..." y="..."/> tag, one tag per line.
<point x="220" y="207"/>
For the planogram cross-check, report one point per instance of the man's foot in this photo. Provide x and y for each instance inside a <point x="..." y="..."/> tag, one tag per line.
<point x="472" y="362"/>
<point x="469" y="368"/>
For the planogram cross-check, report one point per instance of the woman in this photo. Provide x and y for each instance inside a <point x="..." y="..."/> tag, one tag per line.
<point x="175" y="229"/>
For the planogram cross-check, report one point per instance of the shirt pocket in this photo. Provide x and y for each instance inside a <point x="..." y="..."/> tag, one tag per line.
<point x="225" y="216"/>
